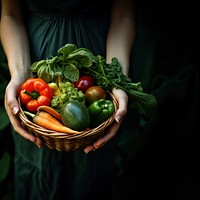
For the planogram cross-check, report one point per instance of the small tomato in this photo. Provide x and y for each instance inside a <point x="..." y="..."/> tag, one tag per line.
<point x="94" y="93"/>
<point x="84" y="83"/>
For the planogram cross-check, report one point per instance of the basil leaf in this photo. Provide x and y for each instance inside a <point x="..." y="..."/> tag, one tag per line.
<point x="36" y="65"/>
<point x="57" y="71"/>
<point x="67" y="49"/>
<point x="80" y="61"/>
<point x="71" y="72"/>
<point x="46" y="73"/>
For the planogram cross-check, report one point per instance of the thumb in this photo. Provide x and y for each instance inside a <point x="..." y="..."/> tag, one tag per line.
<point x="15" y="109"/>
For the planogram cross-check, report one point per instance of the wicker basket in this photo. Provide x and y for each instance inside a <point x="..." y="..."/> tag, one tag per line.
<point x="63" y="141"/>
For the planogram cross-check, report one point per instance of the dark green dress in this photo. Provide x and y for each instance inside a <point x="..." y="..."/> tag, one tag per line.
<point x="45" y="174"/>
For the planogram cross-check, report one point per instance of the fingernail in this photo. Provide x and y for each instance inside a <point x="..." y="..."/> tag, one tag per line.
<point x="15" y="110"/>
<point x="118" y="119"/>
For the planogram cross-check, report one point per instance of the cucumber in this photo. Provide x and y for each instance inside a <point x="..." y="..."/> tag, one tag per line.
<point x="75" y="115"/>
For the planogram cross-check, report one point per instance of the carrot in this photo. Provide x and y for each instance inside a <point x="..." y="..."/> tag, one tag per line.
<point x="47" y="121"/>
<point x="51" y="111"/>
<point x="50" y="117"/>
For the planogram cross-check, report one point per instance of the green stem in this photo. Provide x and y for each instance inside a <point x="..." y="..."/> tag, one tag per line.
<point x="29" y="114"/>
<point x="102" y="68"/>
<point x="34" y="95"/>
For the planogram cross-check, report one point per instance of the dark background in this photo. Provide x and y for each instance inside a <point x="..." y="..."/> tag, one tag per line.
<point x="166" y="60"/>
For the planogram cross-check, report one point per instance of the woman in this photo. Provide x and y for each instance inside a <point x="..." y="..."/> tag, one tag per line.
<point x="34" y="30"/>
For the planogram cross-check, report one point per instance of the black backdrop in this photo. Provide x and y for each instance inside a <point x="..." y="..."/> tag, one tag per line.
<point x="166" y="60"/>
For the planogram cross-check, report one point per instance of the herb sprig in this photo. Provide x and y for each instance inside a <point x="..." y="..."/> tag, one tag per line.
<point x="65" y="65"/>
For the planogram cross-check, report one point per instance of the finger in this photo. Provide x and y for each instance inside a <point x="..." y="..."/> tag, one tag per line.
<point x="39" y="142"/>
<point x="122" y="99"/>
<point x="26" y="135"/>
<point x="111" y="132"/>
<point x="88" y="149"/>
<point x="100" y="142"/>
<point x="20" y="130"/>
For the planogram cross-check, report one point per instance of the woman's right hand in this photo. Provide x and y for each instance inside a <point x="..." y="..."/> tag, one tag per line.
<point x="12" y="109"/>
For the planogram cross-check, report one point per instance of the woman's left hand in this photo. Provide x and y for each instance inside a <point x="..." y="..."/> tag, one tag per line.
<point x="122" y="99"/>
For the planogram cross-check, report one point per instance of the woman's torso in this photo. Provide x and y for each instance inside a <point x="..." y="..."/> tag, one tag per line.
<point x="52" y="24"/>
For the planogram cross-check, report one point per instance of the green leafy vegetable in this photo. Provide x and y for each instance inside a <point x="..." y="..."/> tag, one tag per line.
<point x="110" y="75"/>
<point x="71" y="72"/>
<point x="67" y="49"/>
<point x="66" y="64"/>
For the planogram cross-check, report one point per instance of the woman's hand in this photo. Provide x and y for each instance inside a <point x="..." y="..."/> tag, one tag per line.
<point x="12" y="109"/>
<point x="122" y="99"/>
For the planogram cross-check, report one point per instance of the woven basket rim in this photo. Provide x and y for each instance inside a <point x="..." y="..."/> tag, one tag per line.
<point x="57" y="135"/>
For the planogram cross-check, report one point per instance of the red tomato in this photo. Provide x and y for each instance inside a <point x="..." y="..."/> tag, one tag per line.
<point x="94" y="93"/>
<point x="84" y="83"/>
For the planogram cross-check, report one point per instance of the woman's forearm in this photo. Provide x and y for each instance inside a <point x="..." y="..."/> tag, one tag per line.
<point x="15" y="42"/>
<point x="121" y="35"/>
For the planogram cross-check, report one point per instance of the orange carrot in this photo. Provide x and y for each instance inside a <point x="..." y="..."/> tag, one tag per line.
<point x="51" y="111"/>
<point x="50" y="117"/>
<point x="47" y="121"/>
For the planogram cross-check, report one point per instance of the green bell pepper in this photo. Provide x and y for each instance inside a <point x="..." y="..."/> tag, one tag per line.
<point x="100" y="111"/>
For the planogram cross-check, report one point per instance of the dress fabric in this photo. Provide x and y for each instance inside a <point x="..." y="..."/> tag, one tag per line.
<point x="46" y="174"/>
